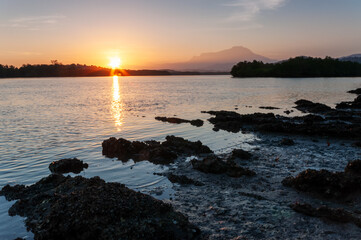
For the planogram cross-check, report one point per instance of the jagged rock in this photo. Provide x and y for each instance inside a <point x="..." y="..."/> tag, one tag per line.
<point x="215" y="165"/>
<point x="182" y="179"/>
<point x="240" y="153"/>
<point x="328" y="184"/>
<point x="59" y="207"/>
<point x="153" y="151"/>
<point x="355" y="91"/>
<point x="197" y="122"/>
<point x="355" y="104"/>
<point x="67" y="165"/>
<point x="334" y="214"/>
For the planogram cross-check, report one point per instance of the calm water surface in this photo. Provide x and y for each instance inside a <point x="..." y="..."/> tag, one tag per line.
<point x="46" y="119"/>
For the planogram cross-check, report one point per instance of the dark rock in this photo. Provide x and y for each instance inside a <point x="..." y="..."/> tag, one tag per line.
<point x="59" y="207"/>
<point x="334" y="214"/>
<point x="353" y="167"/>
<point x="311" y="107"/>
<point x="357" y="144"/>
<point x="215" y="165"/>
<point x="197" y="122"/>
<point x="287" y="112"/>
<point x="153" y="151"/>
<point x="240" y="153"/>
<point x="355" y="91"/>
<point x="182" y="179"/>
<point x="327" y="184"/>
<point x="355" y="104"/>
<point x="287" y="142"/>
<point x="73" y="165"/>
<point x="268" y="107"/>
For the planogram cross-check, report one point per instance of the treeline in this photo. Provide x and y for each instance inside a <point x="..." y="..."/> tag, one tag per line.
<point x="71" y="70"/>
<point x="298" y="67"/>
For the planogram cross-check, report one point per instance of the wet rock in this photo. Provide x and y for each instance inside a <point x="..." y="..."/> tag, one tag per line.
<point x="327" y="184"/>
<point x="311" y="107"/>
<point x="355" y="91"/>
<point x="73" y="165"/>
<point x="153" y="151"/>
<point x="287" y="142"/>
<point x="215" y="165"/>
<point x="197" y="122"/>
<point x="59" y="207"/>
<point x="288" y="112"/>
<point x="355" y="104"/>
<point x="268" y="107"/>
<point x="182" y="179"/>
<point x="353" y="167"/>
<point x="240" y="153"/>
<point x="334" y="214"/>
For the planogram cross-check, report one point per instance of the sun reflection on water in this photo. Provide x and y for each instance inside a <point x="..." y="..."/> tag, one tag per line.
<point x="117" y="105"/>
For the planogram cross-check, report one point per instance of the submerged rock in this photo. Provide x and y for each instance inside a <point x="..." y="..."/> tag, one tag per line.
<point x="182" y="179"/>
<point x="73" y="165"/>
<point x="268" y="107"/>
<point x="287" y="142"/>
<point x="59" y="207"/>
<point x="215" y="165"/>
<point x="153" y="151"/>
<point x="328" y="184"/>
<point x="197" y="122"/>
<point x="334" y="214"/>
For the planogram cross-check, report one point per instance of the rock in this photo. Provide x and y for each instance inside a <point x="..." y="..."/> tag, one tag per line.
<point x="334" y="214"/>
<point x="197" y="122"/>
<point x="355" y="104"/>
<point x="240" y="153"/>
<point x="153" y="151"/>
<point x="59" y="207"/>
<point x="357" y="144"/>
<point x="73" y="165"/>
<point x="182" y="179"/>
<point x="311" y="107"/>
<point x="287" y="142"/>
<point x="268" y="107"/>
<point x="355" y="91"/>
<point x="287" y="112"/>
<point x="353" y="167"/>
<point x="327" y="184"/>
<point x="215" y="165"/>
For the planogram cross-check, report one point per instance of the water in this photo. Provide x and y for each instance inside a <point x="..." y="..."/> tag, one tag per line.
<point x="46" y="119"/>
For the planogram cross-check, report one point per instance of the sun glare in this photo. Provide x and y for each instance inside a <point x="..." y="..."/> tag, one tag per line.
<point x="115" y="62"/>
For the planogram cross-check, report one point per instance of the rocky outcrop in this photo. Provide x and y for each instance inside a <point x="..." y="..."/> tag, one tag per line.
<point x="59" y="207"/>
<point x="307" y="106"/>
<point x="215" y="165"/>
<point x="328" y="184"/>
<point x="197" y="122"/>
<point x="153" y="151"/>
<point x="73" y="165"/>
<point x="241" y="154"/>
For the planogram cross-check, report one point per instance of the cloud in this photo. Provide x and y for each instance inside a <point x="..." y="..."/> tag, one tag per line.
<point x="247" y="10"/>
<point x="33" y="23"/>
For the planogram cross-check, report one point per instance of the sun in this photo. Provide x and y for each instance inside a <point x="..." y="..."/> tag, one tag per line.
<point x="115" y="62"/>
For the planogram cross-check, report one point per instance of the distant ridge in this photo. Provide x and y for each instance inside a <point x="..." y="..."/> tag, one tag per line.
<point x="352" y="58"/>
<point x="221" y="61"/>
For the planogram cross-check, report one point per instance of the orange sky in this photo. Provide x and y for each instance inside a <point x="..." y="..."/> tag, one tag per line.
<point x="145" y="34"/>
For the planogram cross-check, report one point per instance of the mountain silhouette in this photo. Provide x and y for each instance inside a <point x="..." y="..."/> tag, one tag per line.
<point x="222" y="61"/>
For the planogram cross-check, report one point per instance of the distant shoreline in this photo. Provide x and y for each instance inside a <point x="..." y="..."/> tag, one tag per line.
<point x="77" y="70"/>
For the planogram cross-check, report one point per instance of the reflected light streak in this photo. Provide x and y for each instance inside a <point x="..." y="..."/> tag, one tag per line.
<point x="117" y="105"/>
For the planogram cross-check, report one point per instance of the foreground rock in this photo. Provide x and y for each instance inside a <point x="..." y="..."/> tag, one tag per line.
<point x="327" y="184"/>
<point x="334" y="214"/>
<point x="59" y="207"/>
<point x="241" y="154"/>
<point x="215" y="165"/>
<point x="181" y="179"/>
<point x="338" y="124"/>
<point x="197" y="122"/>
<point x="73" y="165"/>
<point x="153" y="151"/>
<point x="355" y="104"/>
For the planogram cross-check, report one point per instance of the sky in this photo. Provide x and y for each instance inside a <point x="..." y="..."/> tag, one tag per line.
<point x="146" y="33"/>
